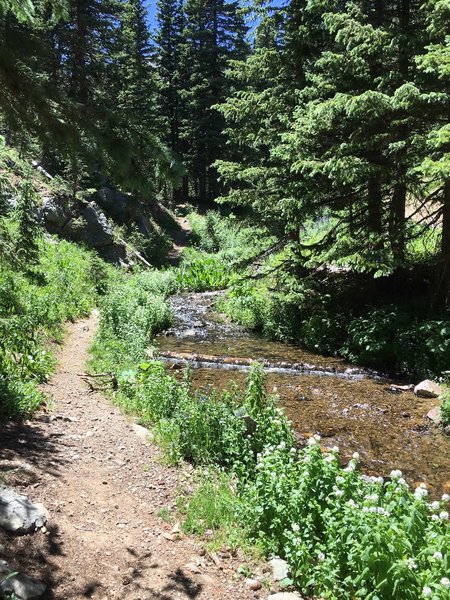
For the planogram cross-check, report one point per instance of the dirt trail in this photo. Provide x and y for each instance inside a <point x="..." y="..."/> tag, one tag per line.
<point x="103" y="487"/>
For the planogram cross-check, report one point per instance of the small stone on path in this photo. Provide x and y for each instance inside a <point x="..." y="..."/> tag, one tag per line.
<point x="253" y="584"/>
<point x="435" y="415"/>
<point x="141" y="432"/>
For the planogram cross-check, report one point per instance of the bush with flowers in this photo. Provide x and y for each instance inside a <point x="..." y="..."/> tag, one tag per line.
<point x="345" y="535"/>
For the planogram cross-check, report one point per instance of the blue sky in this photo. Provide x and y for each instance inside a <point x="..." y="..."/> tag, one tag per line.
<point x="151" y="9"/>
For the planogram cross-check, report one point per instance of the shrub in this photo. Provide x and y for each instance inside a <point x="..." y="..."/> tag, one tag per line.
<point x="200" y="272"/>
<point x="34" y="306"/>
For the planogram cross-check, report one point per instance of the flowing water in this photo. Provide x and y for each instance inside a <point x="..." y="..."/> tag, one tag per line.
<point x="351" y="408"/>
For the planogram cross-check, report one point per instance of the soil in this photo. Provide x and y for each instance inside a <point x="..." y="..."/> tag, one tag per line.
<point x="103" y="487"/>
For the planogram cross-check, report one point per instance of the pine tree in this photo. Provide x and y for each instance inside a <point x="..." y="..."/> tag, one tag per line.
<point x="213" y="36"/>
<point x="434" y="63"/>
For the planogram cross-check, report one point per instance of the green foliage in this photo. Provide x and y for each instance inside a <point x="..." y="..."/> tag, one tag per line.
<point x="33" y="307"/>
<point x="345" y="536"/>
<point x="200" y="272"/>
<point x="29" y="231"/>
<point x="133" y="310"/>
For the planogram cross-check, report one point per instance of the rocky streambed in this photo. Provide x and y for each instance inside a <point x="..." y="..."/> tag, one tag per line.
<point x="355" y="409"/>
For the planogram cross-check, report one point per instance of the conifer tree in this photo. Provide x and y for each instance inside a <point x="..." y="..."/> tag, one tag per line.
<point x="214" y="34"/>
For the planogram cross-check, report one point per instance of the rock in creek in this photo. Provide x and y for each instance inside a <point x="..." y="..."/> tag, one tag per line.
<point x="435" y="415"/>
<point x="22" y="586"/>
<point x="285" y="596"/>
<point x="18" y="514"/>
<point x="427" y="389"/>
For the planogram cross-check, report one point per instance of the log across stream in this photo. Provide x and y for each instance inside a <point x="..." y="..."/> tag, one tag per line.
<point x="349" y="407"/>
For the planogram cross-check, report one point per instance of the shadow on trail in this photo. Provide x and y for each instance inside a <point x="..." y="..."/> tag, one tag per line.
<point x="20" y="442"/>
<point x="175" y="585"/>
<point x="35" y="560"/>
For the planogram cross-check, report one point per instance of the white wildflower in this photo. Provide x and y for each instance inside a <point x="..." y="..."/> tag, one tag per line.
<point x="396" y="474"/>
<point x="401" y="481"/>
<point x="372" y="498"/>
<point x="340" y="479"/>
<point x="365" y="509"/>
<point x="351" y="503"/>
<point x="372" y="509"/>
<point x="312" y="441"/>
<point x="437" y="555"/>
<point x="435" y="505"/>
<point x="334" y="449"/>
<point x="445" y="581"/>
<point x="295" y="527"/>
<point x="420" y="492"/>
<point x="350" y="467"/>
<point x="443" y="515"/>
<point x="445" y="498"/>
<point x="317" y="437"/>
<point x="411" y="564"/>
<point x="329" y="458"/>
<point x="381" y="511"/>
<point x="423" y="486"/>
<point x="355" y="455"/>
<point x="434" y="518"/>
<point x="321" y="556"/>
<point x="338" y="493"/>
<point x="426" y="592"/>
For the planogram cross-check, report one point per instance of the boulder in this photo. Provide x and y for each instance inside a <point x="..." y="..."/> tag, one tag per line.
<point x="98" y="229"/>
<point x="18" y="514"/>
<point x="428" y="389"/>
<point x="116" y="204"/>
<point x="54" y="212"/>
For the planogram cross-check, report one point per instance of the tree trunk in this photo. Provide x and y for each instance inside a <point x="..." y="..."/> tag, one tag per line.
<point x="397" y="223"/>
<point x="374" y="204"/>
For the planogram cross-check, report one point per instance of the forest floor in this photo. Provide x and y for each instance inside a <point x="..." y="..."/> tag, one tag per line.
<point x="104" y="486"/>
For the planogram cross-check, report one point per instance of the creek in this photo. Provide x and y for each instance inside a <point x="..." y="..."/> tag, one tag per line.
<point x="352" y="408"/>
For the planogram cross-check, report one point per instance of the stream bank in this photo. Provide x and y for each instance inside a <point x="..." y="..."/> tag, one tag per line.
<point x="348" y="407"/>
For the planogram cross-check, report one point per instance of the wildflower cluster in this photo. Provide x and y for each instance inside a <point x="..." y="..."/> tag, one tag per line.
<point x="345" y="535"/>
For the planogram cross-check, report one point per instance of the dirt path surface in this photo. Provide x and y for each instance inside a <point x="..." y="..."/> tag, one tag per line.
<point x="103" y="487"/>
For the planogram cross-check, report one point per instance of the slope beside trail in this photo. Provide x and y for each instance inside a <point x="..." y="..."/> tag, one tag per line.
<point x="103" y="487"/>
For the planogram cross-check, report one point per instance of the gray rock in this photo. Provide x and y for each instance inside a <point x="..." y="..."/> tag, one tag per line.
<point x="285" y="596"/>
<point x="18" y="514"/>
<point x="98" y="229"/>
<point x="427" y="389"/>
<point x="280" y="568"/>
<point x="22" y="586"/>
<point x="116" y="204"/>
<point x="142" y="432"/>
<point x="54" y="212"/>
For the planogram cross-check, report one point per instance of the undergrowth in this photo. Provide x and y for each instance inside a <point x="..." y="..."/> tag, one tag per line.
<point x="344" y="535"/>
<point x="34" y="304"/>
